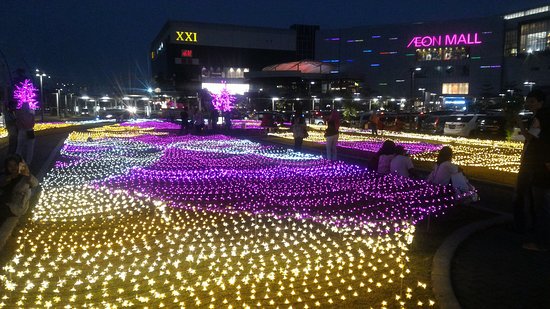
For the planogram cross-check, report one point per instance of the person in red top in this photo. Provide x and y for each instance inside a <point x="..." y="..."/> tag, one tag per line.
<point x="374" y="122"/>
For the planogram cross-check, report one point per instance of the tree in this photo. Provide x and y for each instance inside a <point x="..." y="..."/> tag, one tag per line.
<point x="25" y="92"/>
<point x="224" y="101"/>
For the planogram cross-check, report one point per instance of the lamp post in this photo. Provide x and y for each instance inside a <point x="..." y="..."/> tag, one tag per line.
<point x="423" y="90"/>
<point x="42" y="105"/>
<point x="335" y="99"/>
<point x="273" y="103"/>
<point x="413" y="73"/>
<point x="529" y="84"/>
<point x="57" y="94"/>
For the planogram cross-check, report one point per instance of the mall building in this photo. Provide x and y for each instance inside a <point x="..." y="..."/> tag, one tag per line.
<point x="447" y="63"/>
<point x="188" y="56"/>
<point x="455" y="61"/>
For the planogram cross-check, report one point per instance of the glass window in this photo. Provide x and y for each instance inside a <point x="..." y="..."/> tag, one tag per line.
<point x="455" y="88"/>
<point x="511" y="43"/>
<point x="534" y="36"/>
<point x="442" y="53"/>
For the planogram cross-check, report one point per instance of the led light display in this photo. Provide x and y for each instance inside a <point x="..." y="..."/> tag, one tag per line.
<point x="133" y="217"/>
<point x="495" y="155"/>
<point x="25" y="92"/>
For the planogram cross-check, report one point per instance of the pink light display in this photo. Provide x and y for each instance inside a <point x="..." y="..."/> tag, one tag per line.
<point x="445" y="40"/>
<point x="25" y="92"/>
<point x="219" y="173"/>
<point x="223" y="101"/>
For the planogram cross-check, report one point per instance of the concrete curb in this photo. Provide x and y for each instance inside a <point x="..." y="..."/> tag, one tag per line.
<point x="6" y="230"/>
<point x="441" y="265"/>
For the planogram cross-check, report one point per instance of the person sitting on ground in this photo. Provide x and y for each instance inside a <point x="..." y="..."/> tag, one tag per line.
<point x="402" y="164"/>
<point x="387" y="149"/>
<point x="387" y="153"/>
<point x="15" y="187"/>
<point x="444" y="168"/>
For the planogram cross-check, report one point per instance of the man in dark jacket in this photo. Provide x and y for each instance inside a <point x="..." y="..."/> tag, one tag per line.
<point x="538" y="239"/>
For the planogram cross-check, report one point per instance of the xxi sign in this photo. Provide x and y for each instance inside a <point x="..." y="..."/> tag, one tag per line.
<point x="185" y="36"/>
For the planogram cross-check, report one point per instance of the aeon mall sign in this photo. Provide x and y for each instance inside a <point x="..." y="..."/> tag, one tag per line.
<point x="454" y="39"/>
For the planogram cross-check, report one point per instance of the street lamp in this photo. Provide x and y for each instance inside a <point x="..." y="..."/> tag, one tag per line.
<point x="335" y="99"/>
<point x="273" y="103"/>
<point x="529" y="84"/>
<point x="57" y="95"/>
<point x="423" y="90"/>
<point x="413" y="73"/>
<point x="42" y="106"/>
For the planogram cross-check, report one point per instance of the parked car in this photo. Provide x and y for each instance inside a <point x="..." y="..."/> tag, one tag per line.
<point x="433" y="124"/>
<point x="491" y="126"/>
<point x="461" y="125"/>
<point x="117" y="114"/>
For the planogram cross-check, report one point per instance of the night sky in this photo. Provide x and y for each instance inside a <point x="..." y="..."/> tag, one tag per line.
<point x="101" y="42"/>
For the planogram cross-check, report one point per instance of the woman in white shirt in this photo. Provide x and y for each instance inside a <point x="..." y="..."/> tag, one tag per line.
<point x="401" y="164"/>
<point x="443" y="169"/>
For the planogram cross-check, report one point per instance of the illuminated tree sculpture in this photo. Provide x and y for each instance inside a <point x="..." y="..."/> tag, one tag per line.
<point x="25" y="92"/>
<point x="223" y="101"/>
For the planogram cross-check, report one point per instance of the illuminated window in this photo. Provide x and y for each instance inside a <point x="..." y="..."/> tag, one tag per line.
<point x="442" y="53"/>
<point x="534" y="36"/>
<point x="455" y="88"/>
<point x="511" y="43"/>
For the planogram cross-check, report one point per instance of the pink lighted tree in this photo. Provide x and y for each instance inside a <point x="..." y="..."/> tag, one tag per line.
<point x="25" y="92"/>
<point x="223" y="101"/>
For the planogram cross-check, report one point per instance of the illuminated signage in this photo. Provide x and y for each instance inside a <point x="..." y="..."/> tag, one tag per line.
<point x="231" y="88"/>
<point x="445" y="40"/>
<point x="185" y="36"/>
<point x="187" y="53"/>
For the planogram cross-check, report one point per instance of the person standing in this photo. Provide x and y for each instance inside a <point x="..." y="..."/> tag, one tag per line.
<point x="214" y="115"/>
<point x="11" y="125"/>
<point x="25" y="132"/>
<point x="299" y="132"/>
<point x="227" y="120"/>
<point x="538" y="238"/>
<point x="184" y="121"/>
<point x="374" y="121"/>
<point x="198" y="121"/>
<point x="524" y="214"/>
<point x="331" y="134"/>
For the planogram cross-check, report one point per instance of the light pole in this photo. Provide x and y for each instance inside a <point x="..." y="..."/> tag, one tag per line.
<point x="423" y="96"/>
<point x="57" y="94"/>
<point x="273" y="103"/>
<point x="42" y="105"/>
<point x="530" y="85"/>
<point x="413" y="72"/>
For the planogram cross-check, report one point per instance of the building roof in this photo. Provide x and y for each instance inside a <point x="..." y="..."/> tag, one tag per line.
<point x="304" y="66"/>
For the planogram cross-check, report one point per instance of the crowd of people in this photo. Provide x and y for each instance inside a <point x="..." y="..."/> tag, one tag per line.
<point x="194" y="121"/>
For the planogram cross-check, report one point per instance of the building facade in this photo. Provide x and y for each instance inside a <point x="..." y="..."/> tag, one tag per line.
<point x="185" y="55"/>
<point x="451" y="62"/>
<point x="428" y="65"/>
